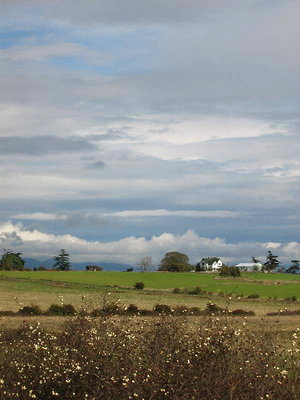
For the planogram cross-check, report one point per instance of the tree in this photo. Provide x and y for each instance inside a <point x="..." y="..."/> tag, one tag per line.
<point x="230" y="271"/>
<point x="271" y="262"/>
<point x="175" y="262"/>
<point x="200" y="267"/>
<point x="255" y="260"/>
<point x="294" y="268"/>
<point x="145" y="264"/>
<point x="11" y="261"/>
<point x="62" y="261"/>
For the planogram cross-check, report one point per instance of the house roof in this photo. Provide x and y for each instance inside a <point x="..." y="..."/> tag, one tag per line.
<point x="247" y="264"/>
<point x="210" y="260"/>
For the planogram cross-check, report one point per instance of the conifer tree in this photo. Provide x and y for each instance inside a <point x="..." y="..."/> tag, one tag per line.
<point x="271" y="262"/>
<point x="294" y="268"/>
<point x="62" y="261"/>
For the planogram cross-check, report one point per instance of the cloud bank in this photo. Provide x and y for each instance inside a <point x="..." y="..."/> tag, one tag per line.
<point x="34" y="243"/>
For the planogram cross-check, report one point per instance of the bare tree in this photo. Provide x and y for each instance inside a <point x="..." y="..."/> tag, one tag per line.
<point x="145" y="264"/>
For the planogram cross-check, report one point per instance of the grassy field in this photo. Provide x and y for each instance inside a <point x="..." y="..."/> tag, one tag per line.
<point x="44" y="288"/>
<point x="265" y="285"/>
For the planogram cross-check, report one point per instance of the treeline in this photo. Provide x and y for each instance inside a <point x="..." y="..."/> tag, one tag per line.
<point x="172" y="262"/>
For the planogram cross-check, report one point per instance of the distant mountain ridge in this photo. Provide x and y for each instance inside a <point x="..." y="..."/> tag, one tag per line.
<point x="33" y="262"/>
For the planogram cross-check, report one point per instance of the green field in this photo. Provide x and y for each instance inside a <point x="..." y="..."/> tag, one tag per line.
<point x="44" y="288"/>
<point x="265" y="285"/>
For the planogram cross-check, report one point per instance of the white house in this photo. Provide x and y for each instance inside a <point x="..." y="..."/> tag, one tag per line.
<point x="209" y="264"/>
<point x="249" y="267"/>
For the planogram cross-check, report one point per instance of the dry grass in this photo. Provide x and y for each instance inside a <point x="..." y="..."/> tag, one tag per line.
<point x="14" y="300"/>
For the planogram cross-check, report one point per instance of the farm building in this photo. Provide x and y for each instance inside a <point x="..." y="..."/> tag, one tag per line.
<point x="249" y="267"/>
<point x="209" y="264"/>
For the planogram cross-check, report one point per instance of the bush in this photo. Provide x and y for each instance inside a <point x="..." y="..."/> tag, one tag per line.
<point x="283" y="312"/>
<point x="195" y="311"/>
<point x="181" y="310"/>
<point x="162" y="358"/>
<point x="230" y="271"/>
<point x="212" y="308"/>
<point x="132" y="309"/>
<point x="30" y="310"/>
<point x="64" y="309"/>
<point x="162" y="309"/>
<point x="242" y="313"/>
<point x="292" y="298"/>
<point x="146" y="312"/>
<point x="176" y="290"/>
<point x="253" y="296"/>
<point x="196" y="290"/>
<point x="139" y="285"/>
<point x="6" y="313"/>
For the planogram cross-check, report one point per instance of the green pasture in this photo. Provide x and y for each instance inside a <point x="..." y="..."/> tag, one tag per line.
<point x="265" y="285"/>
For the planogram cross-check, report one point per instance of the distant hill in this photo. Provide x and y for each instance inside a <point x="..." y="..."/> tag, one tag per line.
<point x="32" y="262"/>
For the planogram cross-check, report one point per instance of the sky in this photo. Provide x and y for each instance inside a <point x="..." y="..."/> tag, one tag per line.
<point x="132" y="128"/>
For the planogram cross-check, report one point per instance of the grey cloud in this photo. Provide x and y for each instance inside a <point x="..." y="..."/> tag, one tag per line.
<point x="40" y="145"/>
<point x="111" y="134"/>
<point x="96" y="165"/>
<point x="11" y="237"/>
<point x="38" y="53"/>
<point x="135" y="11"/>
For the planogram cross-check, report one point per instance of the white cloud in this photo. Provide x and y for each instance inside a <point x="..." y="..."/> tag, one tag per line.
<point x="180" y="213"/>
<point x="34" y="243"/>
<point x="88" y="216"/>
<point x="41" y="216"/>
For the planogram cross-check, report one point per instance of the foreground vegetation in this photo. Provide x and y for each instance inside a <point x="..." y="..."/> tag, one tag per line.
<point x="158" y="358"/>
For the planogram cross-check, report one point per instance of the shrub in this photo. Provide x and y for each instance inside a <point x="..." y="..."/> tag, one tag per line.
<point x="176" y="290"/>
<point x="253" y="296"/>
<point x="242" y="313"/>
<point x="212" y="308"/>
<point x="132" y="309"/>
<point x="64" y="309"/>
<point x="139" y="285"/>
<point x="196" y="290"/>
<point x="162" y="358"/>
<point x="195" y="311"/>
<point x="96" y="312"/>
<point x="112" y="309"/>
<point x="146" y="312"/>
<point x="230" y="271"/>
<point x="6" y="313"/>
<point x="292" y="298"/>
<point x="30" y="310"/>
<point x="283" y="312"/>
<point x="181" y="310"/>
<point x="162" y="309"/>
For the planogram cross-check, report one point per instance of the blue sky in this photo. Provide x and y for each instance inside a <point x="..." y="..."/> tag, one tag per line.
<point x="133" y="128"/>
